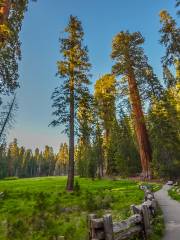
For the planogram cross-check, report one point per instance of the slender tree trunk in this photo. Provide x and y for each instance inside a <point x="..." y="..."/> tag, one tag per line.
<point x="70" y="181"/>
<point x="4" y="13"/>
<point x="140" y="127"/>
<point x="10" y="168"/>
<point x="4" y="10"/>
<point x="100" y="165"/>
<point x="7" y="119"/>
<point x="105" y="146"/>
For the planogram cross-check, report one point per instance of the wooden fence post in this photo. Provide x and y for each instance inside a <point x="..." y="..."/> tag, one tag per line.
<point x="91" y="230"/>
<point x="108" y="227"/>
<point x="154" y="206"/>
<point x="146" y="220"/>
<point x="135" y="209"/>
<point x="96" y="226"/>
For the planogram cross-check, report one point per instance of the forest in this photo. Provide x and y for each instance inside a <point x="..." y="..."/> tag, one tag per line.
<point x="124" y="125"/>
<point x="128" y="125"/>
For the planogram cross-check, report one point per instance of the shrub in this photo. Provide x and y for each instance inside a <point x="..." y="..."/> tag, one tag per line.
<point x="11" y="178"/>
<point x="77" y="187"/>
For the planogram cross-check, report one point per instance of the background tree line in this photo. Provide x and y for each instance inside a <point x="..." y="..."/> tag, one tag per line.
<point x="20" y="162"/>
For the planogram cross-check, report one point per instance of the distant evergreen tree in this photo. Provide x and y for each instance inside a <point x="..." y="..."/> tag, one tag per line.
<point x="123" y="152"/>
<point x="82" y="158"/>
<point x="38" y="160"/>
<point x="165" y="140"/>
<point x="13" y="158"/>
<point x="90" y="150"/>
<point x="61" y="165"/>
<point x="98" y="149"/>
<point x="85" y="125"/>
<point x="105" y="98"/>
<point x="48" y="161"/>
<point x="21" y="161"/>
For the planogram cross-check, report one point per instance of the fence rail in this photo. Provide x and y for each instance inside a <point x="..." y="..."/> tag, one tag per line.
<point x="139" y="224"/>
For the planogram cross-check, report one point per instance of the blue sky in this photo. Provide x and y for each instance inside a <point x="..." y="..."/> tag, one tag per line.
<point x="44" y="23"/>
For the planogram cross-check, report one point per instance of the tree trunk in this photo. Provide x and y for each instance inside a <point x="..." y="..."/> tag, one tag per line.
<point x="70" y="181"/>
<point x="140" y="127"/>
<point x="4" y="11"/>
<point x="10" y="168"/>
<point x="106" y="142"/>
<point x="7" y="119"/>
<point x="100" y="164"/>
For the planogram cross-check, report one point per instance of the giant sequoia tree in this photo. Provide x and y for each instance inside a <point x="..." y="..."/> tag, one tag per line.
<point x="132" y="64"/>
<point x="74" y="70"/>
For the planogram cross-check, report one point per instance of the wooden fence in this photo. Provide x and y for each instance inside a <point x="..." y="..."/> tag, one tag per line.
<point x="139" y="224"/>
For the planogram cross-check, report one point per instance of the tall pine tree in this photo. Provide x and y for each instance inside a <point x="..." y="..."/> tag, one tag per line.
<point x="74" y="70"/>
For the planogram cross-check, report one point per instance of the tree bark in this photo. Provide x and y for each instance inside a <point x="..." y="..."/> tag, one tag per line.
<point x="106" y="164"/>
<point x="100" y="164"/>
<point x="4" y="11"/>
<point x="70" y="181"/>
<point x="140" y="127"/>
<point x="10" y="167"/>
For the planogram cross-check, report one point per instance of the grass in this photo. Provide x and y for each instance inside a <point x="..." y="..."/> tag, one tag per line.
<point x="158" y="226"/>
<point x="175" y="193"/>
<point x="40" y="208"/>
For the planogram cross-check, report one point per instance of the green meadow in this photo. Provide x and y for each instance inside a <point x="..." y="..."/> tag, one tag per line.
<point x="40" y="208"/>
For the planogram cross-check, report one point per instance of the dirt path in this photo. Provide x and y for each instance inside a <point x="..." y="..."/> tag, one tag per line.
<point x="171" y="211"/>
